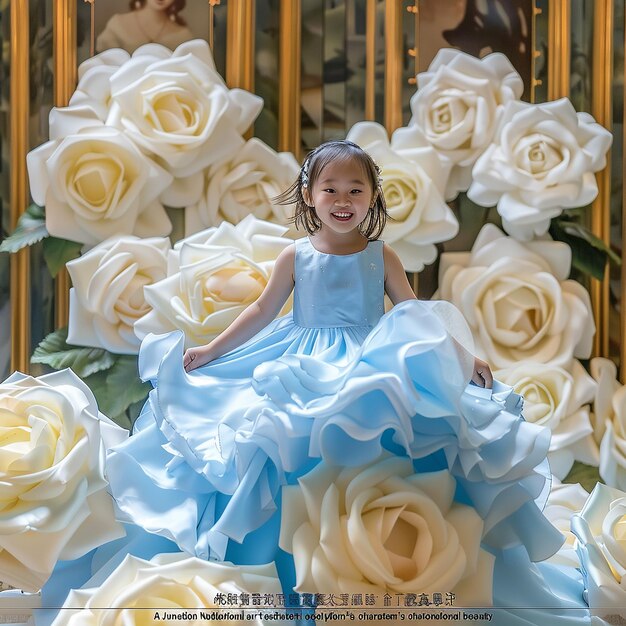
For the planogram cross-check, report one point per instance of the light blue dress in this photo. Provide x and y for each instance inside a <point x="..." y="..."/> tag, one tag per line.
<point x="337" y="379"/>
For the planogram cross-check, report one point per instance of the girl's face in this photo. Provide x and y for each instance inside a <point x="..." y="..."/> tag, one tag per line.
<point x="159" y="5"/>
<point x="341" y="194"/>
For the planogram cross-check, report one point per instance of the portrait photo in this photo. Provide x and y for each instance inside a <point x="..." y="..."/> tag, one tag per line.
<point x="129" y="24"/>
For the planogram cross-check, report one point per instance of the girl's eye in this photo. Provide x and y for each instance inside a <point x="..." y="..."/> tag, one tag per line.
<point x="356" y="191"/>
<point x="329" y="190"/>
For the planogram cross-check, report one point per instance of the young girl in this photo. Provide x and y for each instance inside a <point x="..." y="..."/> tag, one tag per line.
<point x="340" y="203"/>
<point x="228" y="424"/>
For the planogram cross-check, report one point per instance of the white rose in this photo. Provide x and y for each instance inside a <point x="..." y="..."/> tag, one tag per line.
<point x="458" y="104"/>
<point x="414" y="180"/>
<point x="212" y="277"/>
<point x="610" y="418"/>
<point x="518" y="301"/>
<point x="176" y="107"/>
<point x="604" y="372"/>
<point x="169" y="584"/>
<point x="382" y="528"/>
<point x="107" y="297"/>
<point x="53" y="498"/>
<point x="243" y="186"/>
<point x="602" y="549"/>
<point x="564" y="501"/>
<point x="94" y="81"/>
<point x="558" y="399"/>
<point x="542" y="160"/>
<point x="94" y="182"/>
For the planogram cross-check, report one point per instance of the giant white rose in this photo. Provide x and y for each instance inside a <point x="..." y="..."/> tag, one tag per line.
<point x="558" y="399"/>
<point x="176" y="106"/>
<point x="601" y="547"/>
<point x="107" y="297"/>
<point x="382" y="528"/>
<point x="245" y="185"/>
<point x="564" y="501"/>
<point x="516" y="298"/>
<point x="604" y="372"/>
<point x="53" y="498"/>
<point x="610" y="417"/>
<point x="458" y="105"/>
<point x="542" y="160"/>
<point x="212" y="277"/>
<point x="94" y="182"/>
<point x="414" y="180"/>
<point x="94" y="81"/>
<point x="174" y="586"/>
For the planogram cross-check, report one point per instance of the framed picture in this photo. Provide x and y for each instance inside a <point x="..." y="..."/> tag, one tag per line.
<point x="129" y="24"/>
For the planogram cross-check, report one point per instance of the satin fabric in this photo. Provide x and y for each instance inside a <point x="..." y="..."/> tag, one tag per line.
<point x="212" y="448"/>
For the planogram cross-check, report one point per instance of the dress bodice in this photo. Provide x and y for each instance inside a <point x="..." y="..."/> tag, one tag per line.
<point x="334" y="290"/>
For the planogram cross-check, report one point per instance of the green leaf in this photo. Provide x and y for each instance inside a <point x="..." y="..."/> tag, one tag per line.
<point x="589" y="253"/>
<point x="587" y="475"/>
<point x="31" y="228"/>
<point x="125" y="386"/>
<point x="57" y="252"/>
<point x="58" y="354"/>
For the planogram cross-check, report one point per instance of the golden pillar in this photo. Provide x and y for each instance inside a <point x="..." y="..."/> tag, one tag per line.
<point x="20" y="261"/>
<point x="601" y="107"/>
<point x="289" y="77"/>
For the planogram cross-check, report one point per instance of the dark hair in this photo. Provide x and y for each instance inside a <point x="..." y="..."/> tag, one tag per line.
<point x="174" y="9"/>
<point x="331" y="151"/>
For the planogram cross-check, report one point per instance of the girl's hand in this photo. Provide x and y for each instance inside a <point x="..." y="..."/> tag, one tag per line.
<point x="482" y="375"/>
<point x="195" y="357"/>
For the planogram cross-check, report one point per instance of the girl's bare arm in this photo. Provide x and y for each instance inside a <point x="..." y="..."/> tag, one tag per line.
<point x="398" y="289"/>
<point x="254" y="318"/>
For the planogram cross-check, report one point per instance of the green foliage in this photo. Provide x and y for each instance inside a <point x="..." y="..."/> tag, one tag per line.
<point x="587" y="475"/>
<point x="30" y="229"/>
<point x="58" y="354"/>
<point x="57" y="252"/>
<point x="112" y="378"/>
<point x="589" y="253"/>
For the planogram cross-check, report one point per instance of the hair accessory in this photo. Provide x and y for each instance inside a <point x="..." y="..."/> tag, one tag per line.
<point x="304" y="173"/>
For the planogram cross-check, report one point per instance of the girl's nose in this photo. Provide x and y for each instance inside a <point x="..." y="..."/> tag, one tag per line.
<point x="343" y="201"/>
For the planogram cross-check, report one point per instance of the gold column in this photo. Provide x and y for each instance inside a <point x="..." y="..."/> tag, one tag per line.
<point x="20" y="262"/>
<point x="559" y="49"/>
<point x="534" y="53"/>
<point x="289" y="77"/>
<point x="370" y="60"/>
<point x="601" y="106"/>
<point x="393" y="64"/>
<point x="240" y="44"/>
<point x="64" y="24"/>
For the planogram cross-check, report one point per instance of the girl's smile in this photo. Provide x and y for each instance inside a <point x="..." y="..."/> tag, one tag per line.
<point x="341" y="195"/>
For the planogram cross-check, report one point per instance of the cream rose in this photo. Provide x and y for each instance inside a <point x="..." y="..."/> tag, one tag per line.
<point x="382" y="528"/>
<point x="601" y="548"/>
<point x="107" y="297"/>
<point x="169" y="584"/>
<point x="94" y="81"/>
<point x="604" y="371"/>
<point x="610" y="422"/>
<point x="212" y="277"/>
<point x="558" y="399"/>
<point x="53" y="498"/>
<point x="414" y="180"/>
<point x="458" y="104"/>
<point x="94" y="182"/>
<point x="542" y="160"/>
<point x="176" y="107"/>
<point x="564" y="501"/>
<point x="518" y="301"/>
<point x="245" y="185"/>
